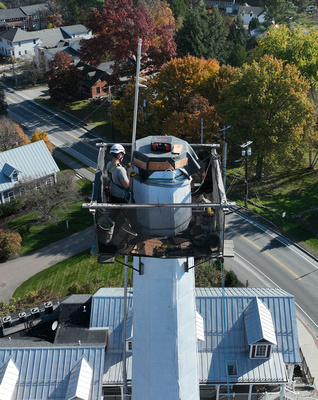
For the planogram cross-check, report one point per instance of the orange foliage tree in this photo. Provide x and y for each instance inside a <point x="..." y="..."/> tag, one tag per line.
<point x="42" y="135"/>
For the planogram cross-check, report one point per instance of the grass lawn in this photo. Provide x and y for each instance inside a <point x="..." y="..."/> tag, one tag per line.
<point x="289" y="192"/>
<point x="35" y="235"/>
<point x="81" y="269"/>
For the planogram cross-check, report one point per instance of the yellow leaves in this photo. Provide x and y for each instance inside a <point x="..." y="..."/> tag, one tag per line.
<point x="42" y="135"/>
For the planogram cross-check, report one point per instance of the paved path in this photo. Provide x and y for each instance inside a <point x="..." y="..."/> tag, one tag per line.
<point x="13" y="273"/>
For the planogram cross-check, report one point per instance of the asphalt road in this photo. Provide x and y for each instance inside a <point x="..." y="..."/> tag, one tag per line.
<point x="264" y="258"/>
<point x="67" y="135"/>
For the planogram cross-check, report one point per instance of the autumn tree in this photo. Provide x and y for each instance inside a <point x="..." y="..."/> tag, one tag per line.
<point x="171" y="90"/>
<point x="10" y="243"/>
<point x="55" y="13"/>
<point x="63" y="77"/>
<point x="187" y="124"/>
<point x="267" y="103"/>
<point x="293" y="46"/>
<point x="118" y="26"/>
<point x="11" y="134"/>
<point x="42" y="135"/>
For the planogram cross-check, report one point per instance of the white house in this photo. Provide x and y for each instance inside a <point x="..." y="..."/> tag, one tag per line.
<point x="32" y="162"/>
<point x="18" y="42"/>
<point x="247" y="13"/>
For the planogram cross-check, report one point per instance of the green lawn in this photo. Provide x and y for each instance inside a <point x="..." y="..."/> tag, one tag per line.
<point x="289" y="192"/>
<point x="37" y="235"/>
<point x="81" y="269"/>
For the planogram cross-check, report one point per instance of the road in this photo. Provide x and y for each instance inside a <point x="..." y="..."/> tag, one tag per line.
<point x="263" y="257"/>
<point x="69" y="136"/>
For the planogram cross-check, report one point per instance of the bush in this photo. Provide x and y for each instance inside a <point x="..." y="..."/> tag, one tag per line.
<point x="10" y="243"/>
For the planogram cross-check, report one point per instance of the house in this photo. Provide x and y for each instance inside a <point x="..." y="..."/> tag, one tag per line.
<point x="25" y="164"/>
<point x="20" y="43"/>
<point x="247" y="13"/>
<point x="228" y="6"/>
<point x="27" y="17"/>
<point x="36" y="16"/>
<point x="94" y="80"/>
<point x="12" y="18"/>
<point x="258" y="347"/>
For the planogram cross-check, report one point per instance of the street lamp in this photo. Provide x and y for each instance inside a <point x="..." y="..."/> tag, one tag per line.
<point x="246" y="151"/>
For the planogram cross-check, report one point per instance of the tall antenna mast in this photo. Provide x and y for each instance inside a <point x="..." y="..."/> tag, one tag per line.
<point x="138" y="85"/>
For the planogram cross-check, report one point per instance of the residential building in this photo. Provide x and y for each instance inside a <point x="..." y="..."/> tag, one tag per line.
<point x="26" y="17"/>
<point x="247" y="337"/>
<point x="94" y="80"/>
<point x="32" y="163"/>
<point x="19" y="43"/>
<point x="247" y="13"/>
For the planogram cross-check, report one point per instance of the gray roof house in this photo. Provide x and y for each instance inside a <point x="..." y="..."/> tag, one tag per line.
<point x="20" y="43"/>
<point x="32" y="162"/>
<point x="249" y="337"/>
<point x="27" y="17"/>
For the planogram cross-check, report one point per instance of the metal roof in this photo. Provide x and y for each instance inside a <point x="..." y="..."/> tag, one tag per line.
<point x="259" y="323"/>
<point x="107" y="311"/>
<point x="33" y="161"/>
<point x="80" y="381"/>
<point x="44" y="373"/>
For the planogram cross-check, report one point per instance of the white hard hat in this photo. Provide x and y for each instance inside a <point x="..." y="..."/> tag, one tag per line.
<point x="117" y="148"/>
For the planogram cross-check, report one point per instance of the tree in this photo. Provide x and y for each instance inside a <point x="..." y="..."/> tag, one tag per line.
<point x="10" y="243"/>
<point x="2" y="6"/>
<point x="281" y="12"/>
<point x="63" y="77"/>
<point x="117" y="28"/>
<point x="72" y="14"/>
<point x="3" y="103"/>
<point x="55" y="13"/>
<point x="203" y="35"/>
<point x="171" y="90"/>
<point x="42" y="135"/>
<point x="32" y="72"/>
<point x="11" y="134"/>
<point x="267" y="103"/>
<point x="187" y="124"/>
<point x="293" y="46"/>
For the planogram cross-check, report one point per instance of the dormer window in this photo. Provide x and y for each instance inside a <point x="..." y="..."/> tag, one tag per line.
<point x="15" y="177"/>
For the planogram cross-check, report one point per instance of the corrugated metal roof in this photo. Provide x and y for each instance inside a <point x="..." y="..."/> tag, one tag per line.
<point x="45" y="372"/>
<point x="33" y="160"/>
<point x="107" y="311"/>
<point x="259" y="323"/>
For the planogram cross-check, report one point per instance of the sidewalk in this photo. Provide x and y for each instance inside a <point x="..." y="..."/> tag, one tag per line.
<point x="309" y="347"/>
<point x="13" y="273"/>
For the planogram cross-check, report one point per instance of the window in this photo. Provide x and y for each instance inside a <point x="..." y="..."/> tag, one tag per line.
<point x="98" y="90"/>
<point x="22" y="191"/>
<point x="19" y="53"/>
<point x="129" y="345"/>
<point x="34" y="41"/>
<point x="231" y="368"/>
<point x="20" y="44"/>
<point x="15" y="176"/>
<point x="11" y="196"/>
<point x="25" y="51"/>
<point x="261" y="351"/>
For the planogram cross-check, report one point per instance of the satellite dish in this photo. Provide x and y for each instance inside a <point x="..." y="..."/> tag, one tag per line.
<point x="54" y="325"/>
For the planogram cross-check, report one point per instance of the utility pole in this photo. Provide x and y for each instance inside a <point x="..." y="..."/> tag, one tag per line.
<point x="246" y="151"/>
<point x="224" y="154"/>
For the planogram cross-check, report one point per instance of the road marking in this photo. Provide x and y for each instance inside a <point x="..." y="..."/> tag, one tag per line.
<point x="56" y="126"/>
<point x="265" y="252"/>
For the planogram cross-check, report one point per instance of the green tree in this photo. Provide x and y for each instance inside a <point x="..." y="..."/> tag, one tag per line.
<point x="281" y="12"/>
<point x="293" y="46"/>
<point x="3" y="103"/>
<point x="2" y="6"/>
<point x="72" y="14"/>
<point x="203" y="35"/>
<point x="267" y="103"/>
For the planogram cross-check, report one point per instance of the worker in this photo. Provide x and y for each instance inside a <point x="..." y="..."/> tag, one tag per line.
<point x="118" y="176"/>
